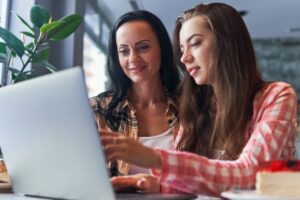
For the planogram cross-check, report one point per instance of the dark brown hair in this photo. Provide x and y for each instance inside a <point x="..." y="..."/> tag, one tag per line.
<point x="219" y="115"/>
<point x="119" y="82"/>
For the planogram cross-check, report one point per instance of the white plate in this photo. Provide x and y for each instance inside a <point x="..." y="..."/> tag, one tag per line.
<point x="251" y="195"/>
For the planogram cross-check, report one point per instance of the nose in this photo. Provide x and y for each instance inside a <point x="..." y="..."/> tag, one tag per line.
<point x="133" y="57"/>
<point x="186" y="57"/>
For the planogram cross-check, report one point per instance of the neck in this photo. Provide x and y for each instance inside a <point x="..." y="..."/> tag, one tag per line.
<point x="147" y="93"/>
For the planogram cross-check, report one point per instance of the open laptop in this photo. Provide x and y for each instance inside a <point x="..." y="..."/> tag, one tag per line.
<point x="50" y="141"/>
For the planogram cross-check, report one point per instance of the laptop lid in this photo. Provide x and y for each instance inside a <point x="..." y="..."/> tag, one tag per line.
<point x="49" y="138"/>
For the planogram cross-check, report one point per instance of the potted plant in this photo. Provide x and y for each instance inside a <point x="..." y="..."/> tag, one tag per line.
<point x="18" y="55"/>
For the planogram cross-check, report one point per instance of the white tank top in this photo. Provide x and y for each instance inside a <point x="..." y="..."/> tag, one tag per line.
<point x="161" y="141"/>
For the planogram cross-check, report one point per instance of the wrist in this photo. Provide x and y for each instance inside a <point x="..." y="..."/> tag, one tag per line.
<point x="157" y="159"/>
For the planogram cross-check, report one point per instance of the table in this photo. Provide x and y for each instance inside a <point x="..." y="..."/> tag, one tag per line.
<point x="6" y="193"/>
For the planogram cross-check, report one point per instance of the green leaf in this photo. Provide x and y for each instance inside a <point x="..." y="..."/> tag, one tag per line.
<point x="23" y="21"/>
<point x="12" y="41"/>
<point x="13" y="70"/>
<point x="47" y="27"/>
<point x="29" y="47"/>
<point x="3" y="51"/>
<point x="22" y="77"/>
<point x="67" y="27"/>
<point x="17" y="76"/>
<point x="11" y="52"/>
<point x="14" y="73"/>
<point x="28" y="34"/>
<point x="39" y="15"/>
<point x="41" y="55"/>
<point x="29" y="72"/>
<point x="50" y="67"/>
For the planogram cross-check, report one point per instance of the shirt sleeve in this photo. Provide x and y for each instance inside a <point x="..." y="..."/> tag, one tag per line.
<point x="273" y="127"/>
<point x="98" y="106"/>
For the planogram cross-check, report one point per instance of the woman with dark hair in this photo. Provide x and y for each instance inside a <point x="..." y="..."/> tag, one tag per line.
<point x="231" y="120"/>
<point x="141" y="100"/>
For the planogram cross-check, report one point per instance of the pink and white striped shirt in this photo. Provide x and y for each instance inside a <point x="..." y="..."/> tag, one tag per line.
<point x="271" y="136"/>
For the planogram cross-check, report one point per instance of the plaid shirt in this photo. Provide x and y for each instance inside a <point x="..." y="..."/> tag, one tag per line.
<point x="128" y="125"/>
<point x="270" y="136"/>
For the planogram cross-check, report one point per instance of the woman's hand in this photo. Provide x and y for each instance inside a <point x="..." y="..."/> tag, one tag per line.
<point x="139" y="182"/>
<point x="119" y="147"/>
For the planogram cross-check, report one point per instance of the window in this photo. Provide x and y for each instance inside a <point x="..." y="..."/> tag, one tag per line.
<point x="3" y="23"/>
<point x="94" y="61"/>
<point x="95" y="48"/>
<point x="3" y="13"/>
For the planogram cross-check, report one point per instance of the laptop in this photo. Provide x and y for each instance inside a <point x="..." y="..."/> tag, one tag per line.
<point x="50" y="142"/>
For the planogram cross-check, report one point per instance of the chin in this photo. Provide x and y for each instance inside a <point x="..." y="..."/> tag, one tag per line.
<point x="137" y="80"/>
<point x="198" y="82"/>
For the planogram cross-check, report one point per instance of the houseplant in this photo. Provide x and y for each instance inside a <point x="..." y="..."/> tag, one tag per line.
<point x="18" y="55"/>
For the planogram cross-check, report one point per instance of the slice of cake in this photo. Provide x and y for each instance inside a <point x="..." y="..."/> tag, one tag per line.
<point x="3" y="173"/>
<point x="5" y="186"/>
<point x="279" y="178"/>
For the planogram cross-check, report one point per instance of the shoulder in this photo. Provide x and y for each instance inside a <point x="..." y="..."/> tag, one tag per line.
<point x="278" y="87"/>
<point x="102" y="100"/>
<point x="275" y="89"/>
<point x="276" y="94"/>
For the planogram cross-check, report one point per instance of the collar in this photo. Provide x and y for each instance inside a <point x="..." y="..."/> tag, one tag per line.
<point x="125" y="103"/>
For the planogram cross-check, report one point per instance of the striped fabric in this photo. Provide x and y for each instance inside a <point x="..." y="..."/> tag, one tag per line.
<point x="270" y="136"/>
<point x="128" y="125"/>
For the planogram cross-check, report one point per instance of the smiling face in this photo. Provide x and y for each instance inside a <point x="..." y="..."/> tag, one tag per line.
<point x="138" y="51"/>
<point x="198" y="44"/>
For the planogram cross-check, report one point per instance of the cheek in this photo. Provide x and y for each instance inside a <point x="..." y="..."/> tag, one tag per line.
<point x="156" y="59"/>
<point x="207" y="57"/>
<point x="122" y="62"/>
<point x="211" y="58"/>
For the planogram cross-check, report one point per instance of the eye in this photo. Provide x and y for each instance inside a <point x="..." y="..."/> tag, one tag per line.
<point x="143" y="47"/>
<point x="196" y="43"/>
<point x="124" y="52"/>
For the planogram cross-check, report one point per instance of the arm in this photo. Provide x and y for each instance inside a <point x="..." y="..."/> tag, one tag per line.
<point x="271" y="138"/>
<point x="274" y="125"/>
<point x="98" y="105"/>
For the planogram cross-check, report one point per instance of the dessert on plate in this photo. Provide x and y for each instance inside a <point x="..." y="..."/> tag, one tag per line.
<point x="279" y="178"/>
<point x="3" y="173"/>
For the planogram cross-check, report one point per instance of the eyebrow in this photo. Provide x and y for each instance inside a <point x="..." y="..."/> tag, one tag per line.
<point x="139" y="42"/>
<point x="191" y="37"/>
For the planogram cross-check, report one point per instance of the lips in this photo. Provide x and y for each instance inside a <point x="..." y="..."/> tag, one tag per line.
<point x="136" y="69"/>
<point x="192" y="70"/>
